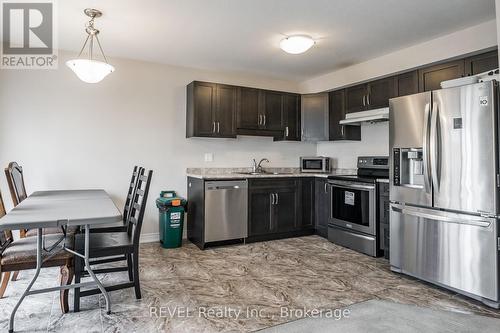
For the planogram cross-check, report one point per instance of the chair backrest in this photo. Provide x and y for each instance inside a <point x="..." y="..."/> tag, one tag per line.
<point x="6" y="235"/>
<point x="15" y="179"/>
<point x="130" y="194"/>
<point x="140" y="198"/>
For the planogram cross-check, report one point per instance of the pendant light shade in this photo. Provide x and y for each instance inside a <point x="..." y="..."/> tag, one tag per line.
<point x="88" y="69"/>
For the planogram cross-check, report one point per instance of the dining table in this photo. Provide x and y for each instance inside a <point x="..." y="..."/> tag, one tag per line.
<point x="61" y="209"/>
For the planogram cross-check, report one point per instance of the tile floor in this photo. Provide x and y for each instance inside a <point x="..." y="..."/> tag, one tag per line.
<point x="262" y="280"/>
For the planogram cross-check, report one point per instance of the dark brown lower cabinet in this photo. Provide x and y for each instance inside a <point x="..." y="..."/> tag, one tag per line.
<point x="276" y="209"/>
<point x="322" y="206"/>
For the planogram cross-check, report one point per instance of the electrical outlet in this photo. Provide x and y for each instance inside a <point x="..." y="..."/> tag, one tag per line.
<point x="209" y="157"/>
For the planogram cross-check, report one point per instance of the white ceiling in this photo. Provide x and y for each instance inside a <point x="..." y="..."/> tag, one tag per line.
<point x="244" y="35"/>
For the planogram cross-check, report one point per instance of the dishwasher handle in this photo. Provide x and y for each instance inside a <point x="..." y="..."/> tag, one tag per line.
<point x="234" y="187"/>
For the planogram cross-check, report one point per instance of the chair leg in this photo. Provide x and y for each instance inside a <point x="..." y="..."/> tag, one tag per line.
<point x="66" y="276"/>
<point x="5" y="281"/>
<point x="130" y="268"/>
<point x="78" y="275"/>
<point x="15" y="276"/>
<point x="137" y="285"/>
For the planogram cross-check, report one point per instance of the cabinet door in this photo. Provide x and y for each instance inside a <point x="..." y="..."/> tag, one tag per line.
<point x="481" y="63"/>
<point x="380" y="91"/>
<point x="286" y="216"/>
<point x="248" y="112"/>
<point x="260" y="213"/>
<point x="273" y="106"/>
<point x="337" y="112"/>
<point x="204" y="109"/>
<point x="227" y="98"/>
<point x="322" y="206"/>
<point x="314" y="117"/>
<point x="291" y="117"/>
<point x="408" y="83"/>
<point x="356" y="98"/>
<point x="430" y="78"/>
<point x="306" y="203"/>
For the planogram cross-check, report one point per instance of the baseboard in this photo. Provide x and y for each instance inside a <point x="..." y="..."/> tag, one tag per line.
<point x="150" y="238"/>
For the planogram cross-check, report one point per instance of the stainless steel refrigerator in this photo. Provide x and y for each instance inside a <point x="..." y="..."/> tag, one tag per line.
<point x="444" y="188"/>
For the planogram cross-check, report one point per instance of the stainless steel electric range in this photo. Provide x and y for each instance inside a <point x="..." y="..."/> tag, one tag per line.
<point x="353" y="220"/>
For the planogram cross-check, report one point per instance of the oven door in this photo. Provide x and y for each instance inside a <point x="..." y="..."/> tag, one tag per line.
<point x="353" y="206"/>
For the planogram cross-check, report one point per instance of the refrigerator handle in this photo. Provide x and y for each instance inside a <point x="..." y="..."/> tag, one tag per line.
<point x="425" y="148"/>
<point x="450" y="217"/>
<point x="434" y="146"/>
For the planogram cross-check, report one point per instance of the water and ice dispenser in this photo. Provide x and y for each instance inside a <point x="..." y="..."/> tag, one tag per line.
<point x="408" y="167"/>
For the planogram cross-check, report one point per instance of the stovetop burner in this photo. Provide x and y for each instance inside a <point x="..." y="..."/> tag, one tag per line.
<point x="370" y="168"/>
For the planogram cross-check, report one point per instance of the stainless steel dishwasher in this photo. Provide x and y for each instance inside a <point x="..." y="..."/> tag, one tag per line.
<point x="226" y="210"/>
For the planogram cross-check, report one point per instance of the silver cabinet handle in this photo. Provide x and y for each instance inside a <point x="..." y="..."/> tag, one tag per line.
<point x="213" y="128"/>
<point x="364" y="100"/>
<point x="277" y="198"/>
<point x="342" y="130"/>
<point x="218" y="127"/>
<point x="368" y="99"/>
<point x="326" y="187"/>
<point x="272" y="198"/>
<point x="264" y="116"/>
<point x="286" y="132"/>
<point x="260" y="119"/>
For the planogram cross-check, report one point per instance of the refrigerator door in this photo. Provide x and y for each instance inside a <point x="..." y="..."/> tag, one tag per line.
<point x="409" y="128"/>
<point x="462" y="148"/>
<point x="452" y="250"/>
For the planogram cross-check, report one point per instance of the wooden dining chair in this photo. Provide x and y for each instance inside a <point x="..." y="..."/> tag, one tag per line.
<point x="122" y="226"/>
<point x="15" y="180"/>
<point x="18" y="255"/>
<point x="105" y="245"/>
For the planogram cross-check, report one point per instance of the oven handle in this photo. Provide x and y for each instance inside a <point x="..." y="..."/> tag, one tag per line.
<point x="353" y="186"/>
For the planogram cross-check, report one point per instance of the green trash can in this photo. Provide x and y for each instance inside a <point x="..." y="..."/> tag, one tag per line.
<point x="172" y="209"/>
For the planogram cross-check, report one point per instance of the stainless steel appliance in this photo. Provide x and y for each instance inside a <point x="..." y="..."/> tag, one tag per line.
<point x="317" y="164"/>
<point x="444" y="183"/>
<point x="226" y="210"/>
<point x="353" y="220"/>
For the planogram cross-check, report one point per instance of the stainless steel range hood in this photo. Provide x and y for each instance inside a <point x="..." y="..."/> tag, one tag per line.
<point x="371" y="116"/>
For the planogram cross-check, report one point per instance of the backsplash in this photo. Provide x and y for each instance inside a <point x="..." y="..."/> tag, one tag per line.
<point x="374" y="141"/>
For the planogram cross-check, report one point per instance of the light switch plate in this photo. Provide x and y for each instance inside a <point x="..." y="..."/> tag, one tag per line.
<point x="209" y="157"/>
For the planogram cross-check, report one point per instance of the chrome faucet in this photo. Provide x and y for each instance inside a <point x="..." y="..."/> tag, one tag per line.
<point x="257" y="167"/>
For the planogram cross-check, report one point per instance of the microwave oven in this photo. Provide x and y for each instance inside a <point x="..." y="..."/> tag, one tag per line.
<point x="318" y="164"/>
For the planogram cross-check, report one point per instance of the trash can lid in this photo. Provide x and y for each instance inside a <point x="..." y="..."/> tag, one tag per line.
<point x="170" y="199"/>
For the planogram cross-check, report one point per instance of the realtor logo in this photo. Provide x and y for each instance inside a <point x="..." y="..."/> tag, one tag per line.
<point x="28" y="35"/>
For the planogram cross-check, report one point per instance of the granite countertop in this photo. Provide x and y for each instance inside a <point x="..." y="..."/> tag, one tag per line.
<point x="237" y="173"/>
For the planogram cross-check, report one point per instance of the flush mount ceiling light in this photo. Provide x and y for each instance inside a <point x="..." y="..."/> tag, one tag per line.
<point x="89" y="69"/>
<point x="296" y="44"/>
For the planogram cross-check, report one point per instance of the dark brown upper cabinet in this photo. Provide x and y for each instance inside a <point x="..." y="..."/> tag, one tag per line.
<point x="481" y="63"/>
<point x="271" y="112"/>
<point x="211" y="110"/>
<point x="430" y="78"/>
<point x="407" y="83"/>
<point x="249" y="116"/>
<point x="356" y="98"/>
<point x="372" y="95"/>
<point x="380" y="91"/>
<point x="336" y="112"/>
<point x="291" y="117"/>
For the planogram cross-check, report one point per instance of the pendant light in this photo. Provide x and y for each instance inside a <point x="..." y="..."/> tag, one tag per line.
<point x="89" y="69"/>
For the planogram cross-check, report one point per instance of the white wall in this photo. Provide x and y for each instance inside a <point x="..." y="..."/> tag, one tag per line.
<point x="68" y="134"/>
<point x="375" y="138"/>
